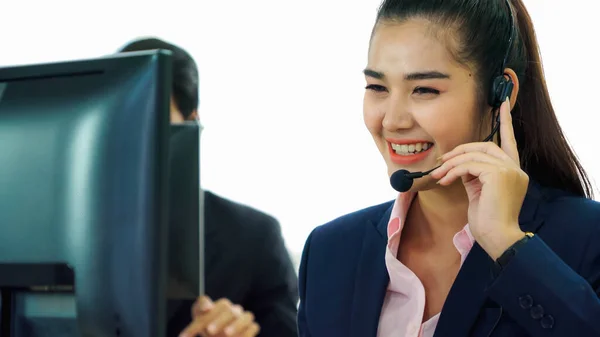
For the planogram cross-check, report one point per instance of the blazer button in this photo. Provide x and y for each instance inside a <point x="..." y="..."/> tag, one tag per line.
<point x="525" y="301"/>
<point x="547" y="322"/>
<point x="537" y="312"/>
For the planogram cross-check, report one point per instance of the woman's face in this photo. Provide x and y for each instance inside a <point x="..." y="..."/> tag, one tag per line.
<point x="419" y="102"/>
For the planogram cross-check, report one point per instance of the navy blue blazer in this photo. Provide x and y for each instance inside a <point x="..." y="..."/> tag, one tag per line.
<point x="551" y="287"/>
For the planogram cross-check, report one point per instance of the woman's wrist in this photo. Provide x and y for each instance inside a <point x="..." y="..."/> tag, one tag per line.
<point x="497" y="243"/>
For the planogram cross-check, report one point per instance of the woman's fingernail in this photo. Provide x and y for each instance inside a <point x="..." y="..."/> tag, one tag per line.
<point x="229" y="331"/>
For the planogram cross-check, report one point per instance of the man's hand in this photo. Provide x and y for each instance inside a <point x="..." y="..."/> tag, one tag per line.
<point x="220" y="319"/>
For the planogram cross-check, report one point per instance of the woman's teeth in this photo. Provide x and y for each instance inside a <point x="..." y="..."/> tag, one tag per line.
<point x="410" y="149"/>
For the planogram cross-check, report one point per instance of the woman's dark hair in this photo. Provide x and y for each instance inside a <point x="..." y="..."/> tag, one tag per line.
<point x="479" y="35"/>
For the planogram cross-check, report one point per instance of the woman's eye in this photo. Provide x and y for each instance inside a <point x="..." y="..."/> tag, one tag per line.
<point x="424" y="91"/>
<point x="376" y="88"/>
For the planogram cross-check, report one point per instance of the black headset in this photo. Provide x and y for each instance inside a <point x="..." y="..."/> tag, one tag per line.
<point x="502" y="86"/>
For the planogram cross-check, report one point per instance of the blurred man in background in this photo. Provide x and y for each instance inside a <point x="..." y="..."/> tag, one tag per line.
<point x="250" y="280"/>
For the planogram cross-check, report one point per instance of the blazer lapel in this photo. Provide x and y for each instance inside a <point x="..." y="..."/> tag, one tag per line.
<point x="371" y="280"/>
<point x="468" y="293"/>
<point x="466" y="296"/>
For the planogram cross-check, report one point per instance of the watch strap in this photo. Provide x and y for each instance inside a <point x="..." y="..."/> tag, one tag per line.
<point x="509" y="253"/>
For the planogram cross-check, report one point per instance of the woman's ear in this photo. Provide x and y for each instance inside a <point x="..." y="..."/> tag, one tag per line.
<point x="515" y="92"/>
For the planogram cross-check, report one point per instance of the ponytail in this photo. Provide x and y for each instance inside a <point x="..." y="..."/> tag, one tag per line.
<point x="545" y="153"/>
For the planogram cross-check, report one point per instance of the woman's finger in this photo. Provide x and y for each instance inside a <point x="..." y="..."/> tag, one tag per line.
<point x="470" y="168"/>
<point x="507" y="133"/>
<point x="478" y="157"/>
<point x="486" y="147"/>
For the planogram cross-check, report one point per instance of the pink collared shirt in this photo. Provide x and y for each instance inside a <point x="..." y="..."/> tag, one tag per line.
<point x="404" y="304"/>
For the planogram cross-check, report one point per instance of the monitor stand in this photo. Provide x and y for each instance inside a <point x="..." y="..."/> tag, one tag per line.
<point x="38" y="314"/>
<point x="37" y="300"/>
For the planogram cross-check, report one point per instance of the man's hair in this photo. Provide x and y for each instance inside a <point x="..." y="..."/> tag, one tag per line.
<point x="185" y="72"/>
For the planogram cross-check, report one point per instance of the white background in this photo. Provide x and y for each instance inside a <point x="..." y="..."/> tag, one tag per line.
<point x="281" y="88"/>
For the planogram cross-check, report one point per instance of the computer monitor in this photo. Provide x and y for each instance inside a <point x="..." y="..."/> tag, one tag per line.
<point x="84" y="147"/>
<point x="186" y="214"/>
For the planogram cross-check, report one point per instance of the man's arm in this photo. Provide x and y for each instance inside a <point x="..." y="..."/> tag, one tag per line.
<point x="273" y="295"/>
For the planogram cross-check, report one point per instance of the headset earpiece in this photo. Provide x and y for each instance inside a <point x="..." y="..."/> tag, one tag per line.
<point x="502" y="85"/>
<point x="501" y="88"/>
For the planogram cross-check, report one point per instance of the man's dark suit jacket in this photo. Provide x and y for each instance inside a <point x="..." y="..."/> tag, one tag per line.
<point x="551" y="286"/>
<point x="245" y="261"/>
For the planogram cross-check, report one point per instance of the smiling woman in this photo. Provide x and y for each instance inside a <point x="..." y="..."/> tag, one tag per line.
<point x="498" y="237"/>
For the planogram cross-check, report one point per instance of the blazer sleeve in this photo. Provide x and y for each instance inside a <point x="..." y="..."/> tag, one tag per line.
<point x="546" y="296"/>
<point x="274" y="296"/>
<point x="302" y="325"/>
